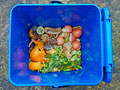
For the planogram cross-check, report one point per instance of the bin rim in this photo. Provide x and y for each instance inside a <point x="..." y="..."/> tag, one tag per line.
<point x="55" y="5"/>
<point x="56" y="84"/>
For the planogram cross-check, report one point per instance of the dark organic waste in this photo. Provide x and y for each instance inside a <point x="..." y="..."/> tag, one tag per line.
<point x="55" y="49"/>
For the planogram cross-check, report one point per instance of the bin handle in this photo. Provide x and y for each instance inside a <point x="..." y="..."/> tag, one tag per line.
<point x="59" y="87"/>
<point x="56" y="2"/>
<point x="108" y="50"/>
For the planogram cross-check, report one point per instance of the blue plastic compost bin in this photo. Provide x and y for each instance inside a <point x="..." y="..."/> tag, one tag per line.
<point x="96" y="40"/>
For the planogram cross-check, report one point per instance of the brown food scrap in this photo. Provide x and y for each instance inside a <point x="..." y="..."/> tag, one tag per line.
<point x="50" y="30"/>
<point x="53" y="41"/>
<point x="48" y="47"/>
<point x="45" y="38"/>
<point x="33" y="35"/>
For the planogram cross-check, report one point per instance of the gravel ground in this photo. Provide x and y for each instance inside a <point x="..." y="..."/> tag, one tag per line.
<point x="5" y="7"/>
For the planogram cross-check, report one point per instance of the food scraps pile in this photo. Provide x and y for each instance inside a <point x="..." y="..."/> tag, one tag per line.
<point x="55" y="49"/>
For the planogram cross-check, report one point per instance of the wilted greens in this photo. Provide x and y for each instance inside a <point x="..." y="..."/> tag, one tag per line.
<point x="60" y="61"/>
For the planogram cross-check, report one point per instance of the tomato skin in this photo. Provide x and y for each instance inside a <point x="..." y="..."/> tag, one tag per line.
<point x="60" y="40"/>
<point x="67" y="66"/>
<point x="72" y="68"/>
<point x="68" y="28"/>
<point x="76" y="45"/>
<point x="77" y="32"/>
